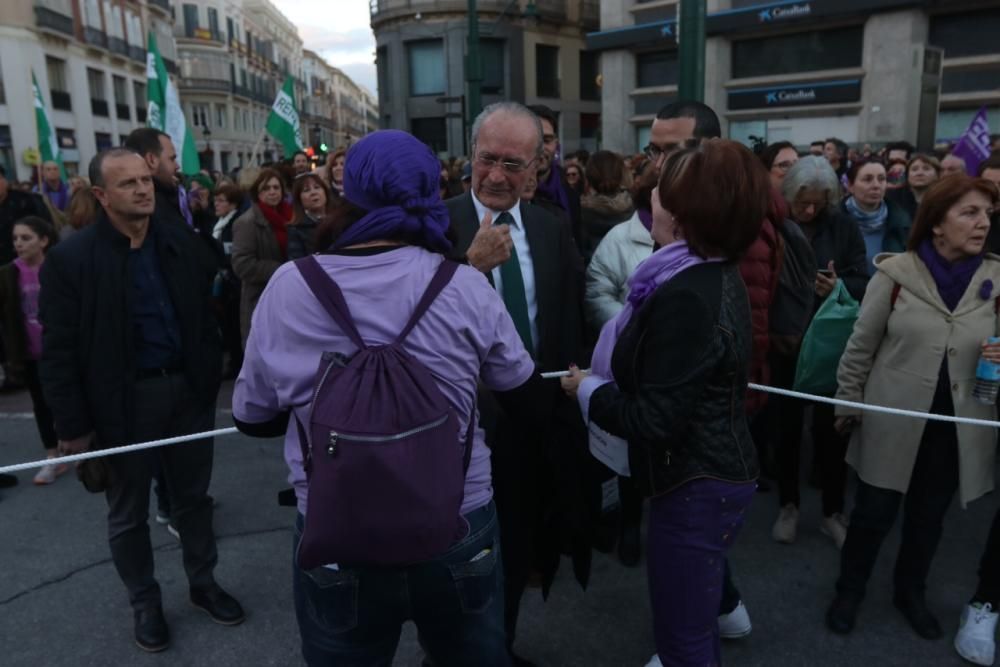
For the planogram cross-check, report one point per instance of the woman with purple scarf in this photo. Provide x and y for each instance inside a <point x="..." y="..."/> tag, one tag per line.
<point x="669" y="376"/>
<point x="923" y="327"/>
<point x="389" y="242"/>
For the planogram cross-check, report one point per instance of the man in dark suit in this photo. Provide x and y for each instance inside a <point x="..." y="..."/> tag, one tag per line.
<point x="132" y="353"/>
<point x="529" y="256"/>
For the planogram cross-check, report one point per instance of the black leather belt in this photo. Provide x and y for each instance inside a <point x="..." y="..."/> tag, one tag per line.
<point x="146" y="373"/>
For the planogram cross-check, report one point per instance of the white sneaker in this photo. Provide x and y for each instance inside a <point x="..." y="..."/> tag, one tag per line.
<point x="787" y="524"/>
<point x="976" y="638"/>
<point x="735" y="624"/>
<point x="835" y="527"/>
<point x="654" y="661"/>
<point x="47" y="473"/>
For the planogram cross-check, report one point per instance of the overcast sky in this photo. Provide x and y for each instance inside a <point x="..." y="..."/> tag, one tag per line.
<point x="338" y="30"/>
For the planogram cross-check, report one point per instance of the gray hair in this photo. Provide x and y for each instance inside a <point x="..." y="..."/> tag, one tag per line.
<point x="96" y="168"/>
<point x="811" y="172"/>
<point x="511" y="109"/>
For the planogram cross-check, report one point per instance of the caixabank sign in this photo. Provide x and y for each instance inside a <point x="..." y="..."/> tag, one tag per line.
<point x="745" y="19"/>
<point x="795" y="95"/>
<point x="778" y="13"/>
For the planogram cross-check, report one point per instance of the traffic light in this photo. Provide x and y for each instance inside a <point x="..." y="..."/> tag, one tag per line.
<point x="310" y="152"/>
<point x="324" y="148"/>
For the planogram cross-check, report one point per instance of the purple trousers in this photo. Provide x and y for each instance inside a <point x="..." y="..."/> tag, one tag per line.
<point x="690" y="531"/>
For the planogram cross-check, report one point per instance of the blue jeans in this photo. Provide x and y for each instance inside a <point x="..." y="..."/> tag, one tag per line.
<point x="352" y="617"/>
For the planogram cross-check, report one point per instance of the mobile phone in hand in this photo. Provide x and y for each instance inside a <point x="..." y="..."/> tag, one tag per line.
<point x="825" y="272"/>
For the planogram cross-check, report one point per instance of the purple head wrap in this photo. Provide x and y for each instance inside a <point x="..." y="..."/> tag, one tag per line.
<point x="395" y="177"/>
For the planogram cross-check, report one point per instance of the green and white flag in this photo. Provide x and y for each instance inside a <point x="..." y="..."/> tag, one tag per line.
<point x="48" y="144"/>
<point x="164" y="110"/>
<point x="283" y="123"/>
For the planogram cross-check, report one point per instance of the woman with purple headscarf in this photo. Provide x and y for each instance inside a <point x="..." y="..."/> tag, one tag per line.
<point x="386" y="246"/>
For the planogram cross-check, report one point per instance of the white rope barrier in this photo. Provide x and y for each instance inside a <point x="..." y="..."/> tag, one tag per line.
<point x="548" y="376"/>
<point x="97" y="453"/>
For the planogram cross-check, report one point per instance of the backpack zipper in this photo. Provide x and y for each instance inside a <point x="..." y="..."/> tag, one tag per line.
<point x="335" y="437"/>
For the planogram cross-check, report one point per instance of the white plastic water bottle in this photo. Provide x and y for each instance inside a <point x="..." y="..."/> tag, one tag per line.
<point x="987" y="379"/>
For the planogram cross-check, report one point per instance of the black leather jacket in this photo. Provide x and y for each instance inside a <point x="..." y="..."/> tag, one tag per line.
<point x="681" y="368"/>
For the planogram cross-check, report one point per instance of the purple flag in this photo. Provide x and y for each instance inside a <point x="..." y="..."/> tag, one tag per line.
<point x="974" y="144"/>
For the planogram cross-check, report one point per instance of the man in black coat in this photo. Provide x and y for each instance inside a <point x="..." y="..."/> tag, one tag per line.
<point x="529" y="256"/>
<point x="132" y="353"/>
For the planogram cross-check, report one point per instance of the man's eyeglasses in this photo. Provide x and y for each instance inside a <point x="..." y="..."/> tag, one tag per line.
<point x="653" y="152"/>
<point x="784" y="166"/>
<point x="509" y="166"/>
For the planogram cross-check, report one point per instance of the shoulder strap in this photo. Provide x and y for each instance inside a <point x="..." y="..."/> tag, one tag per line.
<point x="440" y="280"/>
<point x="895" y="295"/>
<point x="330" y="297"/>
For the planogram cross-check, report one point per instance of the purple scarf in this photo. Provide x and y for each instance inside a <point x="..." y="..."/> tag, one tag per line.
<point x="58" y="197"/>
<point x="655" y="270"/>
<point x="646" y="218"/>
<point x="395" y="177"/>
<point x="553" y="188"/>
<point x="952" y="279"/>
<point x="185" y="206"/>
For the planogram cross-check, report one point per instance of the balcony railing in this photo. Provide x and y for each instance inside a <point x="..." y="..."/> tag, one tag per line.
<point x="50" y="20"/>
<point x="99" y="107"/>
<point x="95" y="37"/>
<point x="123" y="112"/>
<point x="196" y="83"/>
<point x="242" y="91"/>
<point x="137" y="53"/>
<point x="118" y="45"/>
<point x="61" y="100"/>
<point x="162" y="4"/>
<point x="204" y="34"/>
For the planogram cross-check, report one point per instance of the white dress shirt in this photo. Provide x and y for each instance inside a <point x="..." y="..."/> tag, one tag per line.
<point x="520" y="240"/>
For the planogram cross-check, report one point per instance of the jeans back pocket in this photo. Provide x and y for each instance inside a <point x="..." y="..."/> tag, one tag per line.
<point x="331" y="598"/>
<point x="477" y="581"/>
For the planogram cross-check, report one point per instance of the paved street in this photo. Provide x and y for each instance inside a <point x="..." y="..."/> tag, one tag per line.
<point x="61" y="602"/>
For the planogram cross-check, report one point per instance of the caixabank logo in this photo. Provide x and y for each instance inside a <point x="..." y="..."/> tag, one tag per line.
<point x="784" y="12"/>
<point x="800" y="96"/>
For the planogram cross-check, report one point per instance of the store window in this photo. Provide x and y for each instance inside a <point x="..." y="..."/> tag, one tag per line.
<point x="590" y="69"/>
<point x="656" y="68"/>
<point x="426" y="60"/>
<point x="969" y="34"/>
<point x="431" y="131"/>
<point x="546" y="70"/>
<point x="800" y="52"/>
<point x="492" y="53"/>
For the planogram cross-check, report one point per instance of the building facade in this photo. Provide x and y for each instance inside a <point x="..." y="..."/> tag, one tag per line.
<point x="228" y="58"/>
<point x="89" y="58"/>
<point x="531" y="51"/>
<point x="234" y="56"/>
<point x="867" y="71"/>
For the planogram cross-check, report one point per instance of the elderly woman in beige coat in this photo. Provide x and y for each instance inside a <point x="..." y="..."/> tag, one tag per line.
<point x="923" y="325"/>
<point x="260" y="241"/>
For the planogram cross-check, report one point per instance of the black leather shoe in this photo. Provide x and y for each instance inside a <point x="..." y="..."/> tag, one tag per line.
<point x="220" y="605"/>
<point x="628" y="546"/>
<point x="842" y="614"/>
<point x="916" y="612"/>
<point x="151" y="633"/>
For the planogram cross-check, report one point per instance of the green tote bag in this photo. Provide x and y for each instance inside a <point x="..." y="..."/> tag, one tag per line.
<point x="824" y="343"/>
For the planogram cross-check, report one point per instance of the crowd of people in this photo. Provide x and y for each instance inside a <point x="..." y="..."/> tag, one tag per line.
<point x="389" y="314"/>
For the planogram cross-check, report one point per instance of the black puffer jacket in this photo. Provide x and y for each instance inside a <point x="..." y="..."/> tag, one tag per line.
<point x="681" y="369"/>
